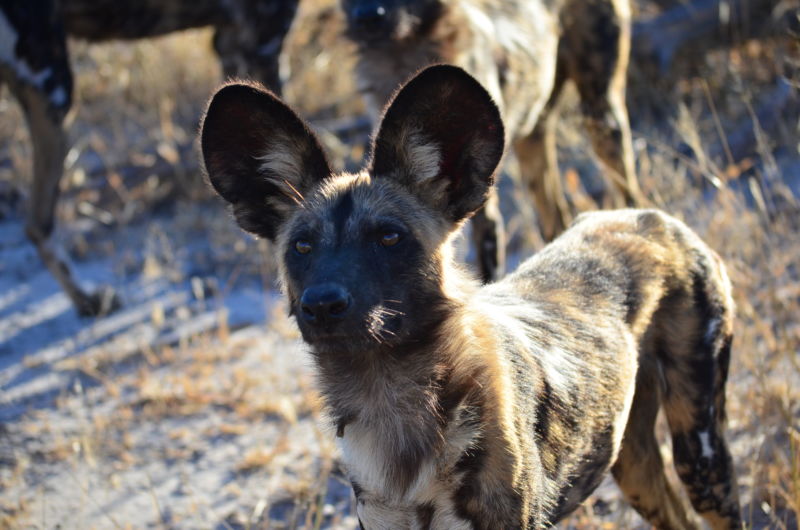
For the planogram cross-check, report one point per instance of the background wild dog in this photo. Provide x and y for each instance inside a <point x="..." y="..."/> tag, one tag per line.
<point x="34" y="63"/>
<point x="523" y="52"/>
<point x="496" y="407"/>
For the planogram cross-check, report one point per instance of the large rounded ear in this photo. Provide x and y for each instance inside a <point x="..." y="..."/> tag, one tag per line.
<point x="259" y="156"/>
<point x="442" y="137"/>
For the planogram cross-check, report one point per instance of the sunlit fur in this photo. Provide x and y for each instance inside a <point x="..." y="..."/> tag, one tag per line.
<point x="458" y="406"/>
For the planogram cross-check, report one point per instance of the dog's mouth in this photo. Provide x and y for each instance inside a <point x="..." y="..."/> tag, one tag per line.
<point x="381" y="326"/>
<point x="384" y="324"/>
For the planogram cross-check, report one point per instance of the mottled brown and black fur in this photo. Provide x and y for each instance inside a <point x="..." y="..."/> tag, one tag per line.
<point x="523" y="52"/>
<point x="34" y="63"/>
<point x="458" y="406"/>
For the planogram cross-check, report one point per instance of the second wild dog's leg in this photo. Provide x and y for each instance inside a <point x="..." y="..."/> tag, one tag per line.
<point x="49" y="150"/>
<point x="639" y="469"/>
<point x="538" y="164"/>
<point x="488" y="238"/>
<point x="44" y="94"/>
<point x="598" y="44"/>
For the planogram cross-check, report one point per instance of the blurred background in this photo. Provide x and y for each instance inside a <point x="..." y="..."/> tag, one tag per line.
<point x="193" y="405"/>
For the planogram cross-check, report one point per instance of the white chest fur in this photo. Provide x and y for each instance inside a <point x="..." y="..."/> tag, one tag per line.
<point x="367" y="452"/>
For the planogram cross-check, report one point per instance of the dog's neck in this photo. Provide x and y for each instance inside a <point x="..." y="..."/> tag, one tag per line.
<point x="374" y="384"/>
<point x="399" y="404"/>
<point x="382" y="379"/>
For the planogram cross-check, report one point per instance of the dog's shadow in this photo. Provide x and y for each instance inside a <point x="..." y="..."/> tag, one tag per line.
<point x="45" y="347"/>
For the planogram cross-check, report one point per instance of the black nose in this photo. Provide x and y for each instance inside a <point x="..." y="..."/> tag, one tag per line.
<point x="325" y="302"/>
<point x="368" y="19"/>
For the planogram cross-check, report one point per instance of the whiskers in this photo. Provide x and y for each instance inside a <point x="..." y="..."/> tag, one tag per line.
<point x="378" y="317"/>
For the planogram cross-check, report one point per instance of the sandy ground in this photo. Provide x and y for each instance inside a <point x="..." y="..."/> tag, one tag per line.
<point x="159" y="414"/>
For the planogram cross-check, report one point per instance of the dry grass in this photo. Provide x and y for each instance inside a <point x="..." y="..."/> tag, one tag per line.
<point x="136" y="113"/>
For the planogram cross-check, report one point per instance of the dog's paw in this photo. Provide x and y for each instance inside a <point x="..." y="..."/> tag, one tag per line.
<point x="99" y="303"/>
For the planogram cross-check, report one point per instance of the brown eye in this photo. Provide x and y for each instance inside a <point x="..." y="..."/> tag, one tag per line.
<point x="389" y="239"/>
<point x="302" y="247"/>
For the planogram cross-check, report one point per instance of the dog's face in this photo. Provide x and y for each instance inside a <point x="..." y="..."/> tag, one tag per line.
<point x="375" y="21"/>
<point x="360" y="255"/>
<point x="356" y="263"/>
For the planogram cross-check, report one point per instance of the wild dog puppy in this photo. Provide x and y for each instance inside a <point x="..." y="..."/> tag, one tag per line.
<point x="523" y="52"/>
<point x="458" y="406"/>
<point x="35" y="65"/>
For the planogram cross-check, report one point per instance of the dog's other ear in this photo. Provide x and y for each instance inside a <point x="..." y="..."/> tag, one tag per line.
<point x="442" y="137"/>
<point x="259" y="156"/>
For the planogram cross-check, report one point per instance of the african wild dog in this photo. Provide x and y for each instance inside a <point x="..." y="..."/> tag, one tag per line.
<point x="497" y="407"/>
<point x="35" y="65"/>
<point x="523" y="52"/>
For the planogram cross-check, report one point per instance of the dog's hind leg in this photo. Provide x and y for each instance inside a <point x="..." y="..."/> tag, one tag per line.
<point x="49" y="149"/>
<point x="538" y="164"/>
<point x="694" y="350"/>
<point x="598" y="44"/>
<point x="39" y="76"/>
<point x="639" y="469"/>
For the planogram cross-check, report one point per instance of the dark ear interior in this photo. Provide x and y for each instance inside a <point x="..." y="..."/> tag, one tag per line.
<point x="259" y="155"/>
<point x="442" y="136"/>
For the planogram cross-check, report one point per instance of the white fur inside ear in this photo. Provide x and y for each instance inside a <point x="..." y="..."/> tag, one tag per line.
<point x="282" y="158"/>
<point x="282" y="165"/>
<point x="423" y="156"/>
